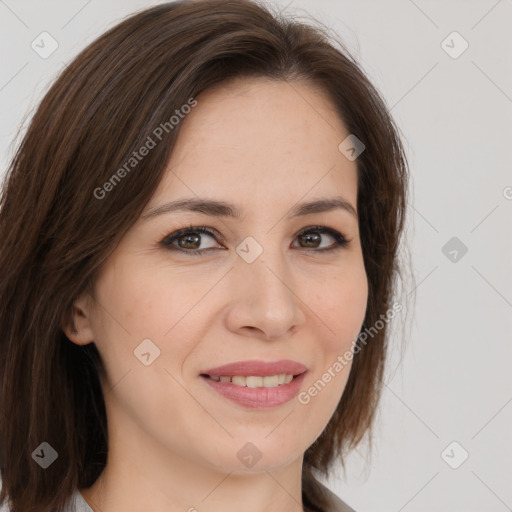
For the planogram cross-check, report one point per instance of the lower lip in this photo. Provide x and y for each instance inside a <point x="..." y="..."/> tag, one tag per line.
<point x="258" y="397"/>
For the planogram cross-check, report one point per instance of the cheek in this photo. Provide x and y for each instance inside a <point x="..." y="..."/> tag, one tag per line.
<point x="147" y="305"/>
<point x="341" y="304"/>
<point x="128" y="309"/>
<point x="139" y="307"/>
<point x="141" y="301"/>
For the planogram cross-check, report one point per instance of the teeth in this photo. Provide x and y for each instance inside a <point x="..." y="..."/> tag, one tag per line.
<point x="239" y="381"/>
<point x="251" y="381"/>
<point x="270" y="381"/>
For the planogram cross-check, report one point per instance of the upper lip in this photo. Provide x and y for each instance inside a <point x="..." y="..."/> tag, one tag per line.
<point x="257" y="368"/>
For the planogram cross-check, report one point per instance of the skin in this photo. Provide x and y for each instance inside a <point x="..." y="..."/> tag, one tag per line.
<point x="264" y="146"/>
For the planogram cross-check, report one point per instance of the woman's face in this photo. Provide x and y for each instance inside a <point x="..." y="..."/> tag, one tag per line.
<point x="257" y="291"/>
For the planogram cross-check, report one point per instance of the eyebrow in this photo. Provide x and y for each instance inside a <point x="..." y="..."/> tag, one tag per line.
<point x="222" y="209"/>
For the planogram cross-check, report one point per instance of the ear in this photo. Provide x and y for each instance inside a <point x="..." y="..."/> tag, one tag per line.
<point x="76" y="322"/>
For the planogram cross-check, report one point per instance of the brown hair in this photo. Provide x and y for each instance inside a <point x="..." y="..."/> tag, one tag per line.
<point x="55" y="234"/>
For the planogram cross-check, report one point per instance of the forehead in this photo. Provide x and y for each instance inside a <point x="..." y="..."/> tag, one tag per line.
<point x="261" y="139"/>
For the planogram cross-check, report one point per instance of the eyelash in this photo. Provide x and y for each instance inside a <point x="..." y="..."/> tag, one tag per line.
<point x="340" y="240"/>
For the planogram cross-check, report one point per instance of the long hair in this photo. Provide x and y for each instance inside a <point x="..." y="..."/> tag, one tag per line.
<point x="56" y="232"/>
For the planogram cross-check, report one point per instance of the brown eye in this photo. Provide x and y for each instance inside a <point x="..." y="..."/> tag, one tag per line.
<point x="189" y="240"/>
<point x="312" y="238"/>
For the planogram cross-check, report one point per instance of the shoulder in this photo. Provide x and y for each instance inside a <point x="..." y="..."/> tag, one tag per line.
<point x="79" y="504"/>
<point x="336" y="504"/>
<point x="322" y="498"/>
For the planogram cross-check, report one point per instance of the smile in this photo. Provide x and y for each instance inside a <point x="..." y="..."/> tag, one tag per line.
<point x="255" y="381"/>
<point x="256" y="384"/>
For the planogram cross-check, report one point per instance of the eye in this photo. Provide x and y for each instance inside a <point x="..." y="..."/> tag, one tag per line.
<point x="312" y="238"/>
<point x="188" y="240"/>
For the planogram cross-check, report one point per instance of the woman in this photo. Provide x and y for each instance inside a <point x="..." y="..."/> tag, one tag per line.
<point x="198" y="232"/>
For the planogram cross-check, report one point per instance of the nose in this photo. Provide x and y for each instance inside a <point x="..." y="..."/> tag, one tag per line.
<point x="265" y="301"/>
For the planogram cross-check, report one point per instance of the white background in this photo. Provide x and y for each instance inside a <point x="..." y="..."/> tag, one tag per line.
<point x="454" y="380"/>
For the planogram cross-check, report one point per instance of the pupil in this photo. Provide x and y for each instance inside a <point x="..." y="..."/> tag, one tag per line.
<point x="189" y="239"/>
<point x="308" y="238"/>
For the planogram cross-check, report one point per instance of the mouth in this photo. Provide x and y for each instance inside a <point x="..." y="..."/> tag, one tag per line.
<point x="254" y="381"/>
<point x="257" y="384"/>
